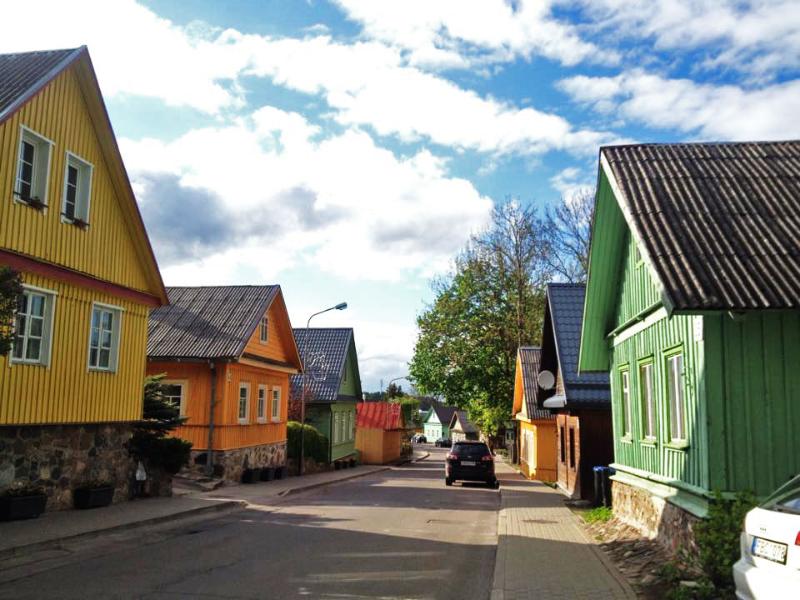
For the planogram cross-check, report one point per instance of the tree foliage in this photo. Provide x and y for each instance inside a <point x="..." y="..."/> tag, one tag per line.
<point x="10" y="289"/>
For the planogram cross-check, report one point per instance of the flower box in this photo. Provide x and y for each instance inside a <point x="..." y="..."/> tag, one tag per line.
<point x="93" y="497"/>
<point x="251" y="475"/>
<point x="280" y="472"/>
<point x="14" y="507"/>
<point x="267" y="474"/>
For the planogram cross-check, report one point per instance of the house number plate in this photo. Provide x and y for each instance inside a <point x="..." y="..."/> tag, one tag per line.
<point x="769" y="550"/>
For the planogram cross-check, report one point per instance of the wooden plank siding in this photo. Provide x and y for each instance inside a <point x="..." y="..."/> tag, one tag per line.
<point x="66" y="391"/>
<point x="753" y="389"/>
<point x="106" y="249"/>
<point x="278" y="337"/>
<point x="689" y="464"/>
<point x="637" y="291"/>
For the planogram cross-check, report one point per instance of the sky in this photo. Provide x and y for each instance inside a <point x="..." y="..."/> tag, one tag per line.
<point x="347" y="149"/>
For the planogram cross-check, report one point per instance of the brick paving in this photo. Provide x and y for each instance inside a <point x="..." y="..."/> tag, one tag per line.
<point x="542" y="551"/>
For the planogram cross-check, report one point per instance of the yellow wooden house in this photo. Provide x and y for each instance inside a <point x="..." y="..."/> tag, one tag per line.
<point x="70" y="225"/>
<point x="536" y="427"/>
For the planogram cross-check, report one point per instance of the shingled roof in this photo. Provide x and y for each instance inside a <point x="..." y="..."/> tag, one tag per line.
<point x="529" y="358"/>
<point x="564" y="317"/>
<point x="25" y="73"/>
<point x="443" y="413"/>
<point x="719" y="223"/>
<point x="207" y="322"/>
<point x="460" y="422"/>
<point x="324" y="352"/>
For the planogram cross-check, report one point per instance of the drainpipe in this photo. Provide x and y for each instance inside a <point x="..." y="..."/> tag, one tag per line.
<point x="213" y="402"/>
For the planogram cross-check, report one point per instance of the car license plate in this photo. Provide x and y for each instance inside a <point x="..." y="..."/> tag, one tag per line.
<point x="770" y="550"/>
<point x="468" y="463"/>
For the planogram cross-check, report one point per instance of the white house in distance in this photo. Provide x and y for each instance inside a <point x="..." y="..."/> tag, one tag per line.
<point x="437" y="423"/>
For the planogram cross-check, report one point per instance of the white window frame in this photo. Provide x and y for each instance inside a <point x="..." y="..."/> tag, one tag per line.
<point x="625" y="394"/>
<point x="116" y="334"/>
<point x="261" y="404"/>
<point x="243" y="385"/>
<point x="676" y="397"/>
<point x="276" y="404"/>
<point x="263" y="330"/>
<point x="46" y="346"/>
<point x="184" y="385"/>
<point x="83" y="192"/>
<point x="40" y="176"/>
<point x="647" y="400"/>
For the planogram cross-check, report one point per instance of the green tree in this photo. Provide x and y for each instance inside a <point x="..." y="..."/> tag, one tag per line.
<point x="10" y="290"/>
<point x="394" y="391"/>
<point x="489" y="306"/>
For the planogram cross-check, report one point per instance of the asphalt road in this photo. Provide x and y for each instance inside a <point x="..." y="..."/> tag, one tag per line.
<point x="396" y="534"/>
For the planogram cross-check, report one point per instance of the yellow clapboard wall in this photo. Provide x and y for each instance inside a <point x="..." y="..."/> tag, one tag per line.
<point x="66" y="391"/>
<point x="106" y="250"/>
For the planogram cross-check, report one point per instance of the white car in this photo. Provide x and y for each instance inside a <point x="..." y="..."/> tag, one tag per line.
<point x="770" y="544"/>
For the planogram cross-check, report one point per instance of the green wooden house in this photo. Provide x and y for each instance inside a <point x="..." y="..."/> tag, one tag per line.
<point x="333" y="386"/>
<point x="437" y="422"/>
<point x="693" y="307"/>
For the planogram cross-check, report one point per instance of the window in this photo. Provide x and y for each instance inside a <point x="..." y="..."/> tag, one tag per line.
<point x="563" y="445"/>
<point x="677" y="410"/>
<point x="77" y="188"/>
<point x="648" y="402"/>
<point x="244" y="402"/>
<point x="104" y="337"/>
<point x="276" y="404"/>
<point x="571" y="447"/>
<point x="344" y="375"/>
<point x="626" y="402"/>
<point x="263" y="330"/>
<point x="262" y="404"/>
<point x="351" y="434"/>
<point x="174" y="392"/>
<point x="33" y="327"/>
<point x="33" y="168"/>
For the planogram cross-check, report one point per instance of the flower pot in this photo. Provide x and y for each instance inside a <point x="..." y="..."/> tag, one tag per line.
<point x="93" y="497"/>
<point x="251" y="475"/>
<point x="22" y="507"/>
<point x="267" y="474"/>
<point x="280" y="472"/>
<point x="352" y="463"/>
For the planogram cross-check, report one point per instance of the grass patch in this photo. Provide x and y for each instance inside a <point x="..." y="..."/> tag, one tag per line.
<point x="601" y="514"/>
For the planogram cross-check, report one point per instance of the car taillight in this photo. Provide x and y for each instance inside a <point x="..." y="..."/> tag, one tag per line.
<point x="797" y="539"/>
<point x="451" y="456"/>
<point x="486" y="458"/>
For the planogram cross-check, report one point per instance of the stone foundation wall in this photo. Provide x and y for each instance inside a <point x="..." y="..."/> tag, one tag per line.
<point x="229" y="464"/>
<point x="62" y="457"/>
<point x="656" y="518"/>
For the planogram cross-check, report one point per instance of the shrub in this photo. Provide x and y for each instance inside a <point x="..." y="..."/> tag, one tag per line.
<point x="316" y="444"/>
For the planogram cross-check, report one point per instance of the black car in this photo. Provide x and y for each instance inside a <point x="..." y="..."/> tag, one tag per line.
<point x="470" y="461"/>
<point x="442" y="443"/>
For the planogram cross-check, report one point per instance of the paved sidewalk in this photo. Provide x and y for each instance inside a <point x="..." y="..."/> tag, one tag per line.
<point x="53" y="527"/>
<point x="542" y="551"/>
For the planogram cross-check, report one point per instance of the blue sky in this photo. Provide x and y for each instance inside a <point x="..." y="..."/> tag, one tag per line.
<point x="347" y="149"/>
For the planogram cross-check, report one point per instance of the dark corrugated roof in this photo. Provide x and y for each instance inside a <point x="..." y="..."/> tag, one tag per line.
<point x="25" y="73"/>
<point x="529" y="358"/>
<point x="207" y="322"/>
<point x="565" y="308"/>
<point x="324" y="352"/>
<point x="719" y="222"/>
<point x="444" y="413"/>
<point x="460" y="421"/>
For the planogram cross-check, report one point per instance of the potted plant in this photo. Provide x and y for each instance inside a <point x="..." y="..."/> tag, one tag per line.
<point x="93" y="494"/>
<point x="267" y="474"/>
<point x="251" y="475"/>
<point x="25" y="501"/>
<point x="280" y="472"/>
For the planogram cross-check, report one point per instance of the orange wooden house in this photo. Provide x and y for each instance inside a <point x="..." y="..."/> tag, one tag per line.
<point x="230" y="348"/>
<point x="536" y="427"/>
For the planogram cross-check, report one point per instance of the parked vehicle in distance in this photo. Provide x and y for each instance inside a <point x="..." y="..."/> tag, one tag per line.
<point x="419" y="439"/>
<point x="769" y="566"/>
<point x="470" y="461"/>
<point x="443" y="443"/>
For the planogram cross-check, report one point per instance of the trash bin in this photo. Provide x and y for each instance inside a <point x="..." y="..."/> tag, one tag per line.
<point x="602" y="485"/>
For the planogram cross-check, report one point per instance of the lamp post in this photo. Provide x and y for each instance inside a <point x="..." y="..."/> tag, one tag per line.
<point x="340" y="306"/>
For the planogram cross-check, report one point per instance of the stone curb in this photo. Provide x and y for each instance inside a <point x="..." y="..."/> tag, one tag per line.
<point x="227" y="505"/>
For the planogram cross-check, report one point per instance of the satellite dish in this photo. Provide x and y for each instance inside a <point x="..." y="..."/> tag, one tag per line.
<point x="546" y="380"/>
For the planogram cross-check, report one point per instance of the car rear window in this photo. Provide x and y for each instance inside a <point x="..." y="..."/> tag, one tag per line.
<point x="471" y="450"/>
<point x="786" y="498"/>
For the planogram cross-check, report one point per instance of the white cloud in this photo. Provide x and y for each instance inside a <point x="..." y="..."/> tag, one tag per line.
<point x="571" y="182"/>
<point x="467" y="33"/>
<point x="724" y="112"/>
<point x="758" y="37"/>
<point x="343" y="204"/>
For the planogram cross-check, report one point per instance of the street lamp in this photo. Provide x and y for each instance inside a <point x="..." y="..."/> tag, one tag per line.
<point x="340" y="306"/>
